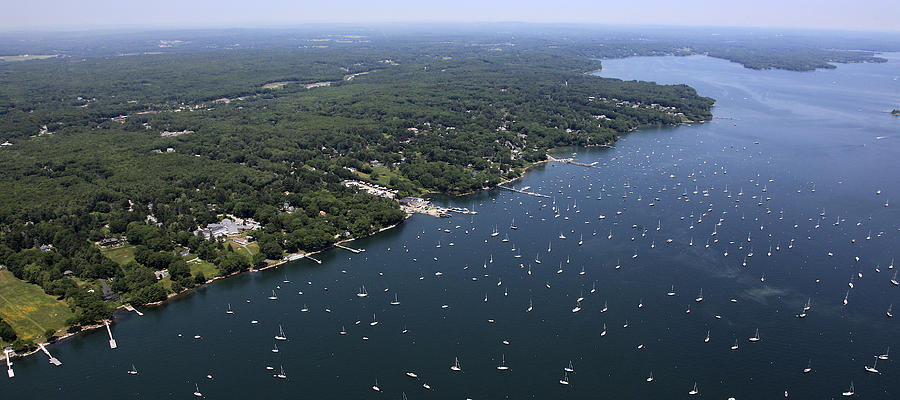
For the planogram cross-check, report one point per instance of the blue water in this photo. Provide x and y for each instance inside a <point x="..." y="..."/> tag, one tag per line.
<point x="828" y="131"/>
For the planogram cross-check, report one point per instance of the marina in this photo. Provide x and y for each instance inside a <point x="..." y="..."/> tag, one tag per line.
<point x="708" y="247"/>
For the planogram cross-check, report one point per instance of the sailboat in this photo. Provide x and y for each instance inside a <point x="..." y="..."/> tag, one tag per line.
<point x="671" y="291"/>
<point x="396" y="301"/>
<point x="604" y="307"/>
<point x="735" y="347"/>
<point x="700" y="296"/>
<point x="374" y="321"/>
<point x="885" y="355"/>
<point x="650" y="378"/>
<point x="603" y="332"/>
<point x="343" y="330"/>
<point x="197" y="391"/>
<point x="570" y="367"/>
<point x="495" y="232"/>
<point x="273" y="296"/>
<point x="694" y="391"/>
<point x="133" y="370"/>
<point x="889" y="313"/>
<point x="505" y="239"/>
<point x="280" y="335"/>
<point x="808" y="368"/>
<point x="707" y="337"/>
<point x="375" y="386"/>
<point x="229" y="311"/>
<point x="537" y="259"/>
<point x="849" y="392"/>
<point x="873" y="368"/>
<point x="513" y="225"/>
<point x="894" y="279"/>
<point x="275" y="349"/>
<point x="281" y="374"/>
<point x="455" y="367"/>
<point x="565" y="379"/>
<point x="755" y="338"/>
<point x="502" y="366"/>
<point x="530" y="306"/>
<point x="362" y="292"/>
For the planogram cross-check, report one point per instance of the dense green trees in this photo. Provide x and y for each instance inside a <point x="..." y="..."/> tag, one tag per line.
<point x="419" y="123"/>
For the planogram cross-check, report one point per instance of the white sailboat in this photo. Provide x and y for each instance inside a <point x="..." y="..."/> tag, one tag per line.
<point x="699" y="296"/>
<point x="808" y="368"/>
<point x="671" y="291"/>
<point x="133" y="370"/>
<point x="273" y="296"/>
<point x="275" y="349"/>
<point x="374" y="321"/>
<point x="885" y="355"/>
<point x="565" y="379"/>
<point x="396" y="301"/>
<point x="502" y="366"/>
<point x="197" y="391"/>
<point x="873" y="369"/>
<point x="650" y="378"/>
<point x="362" y="292"/>
<point x="849" y="392"/>
<point x="281" y="374"/>
<point x="229" y="310"/>
<point x="455" y="367"/>
<point x="755" y="338"/>
<point x="694" y="391"/>
<point x="375" y="386"/>
<point x="530" y="306"/>
<point x="280" y="335"/>
<point x="570" y="367"/>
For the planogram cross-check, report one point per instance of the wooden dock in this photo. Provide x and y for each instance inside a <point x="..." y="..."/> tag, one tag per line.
<point x="523" y="192"/>
<point x="112" y="342"/>
<point x="53" y="360"/>
<point x="350" y="249"/>
<point x="9" y="370"/>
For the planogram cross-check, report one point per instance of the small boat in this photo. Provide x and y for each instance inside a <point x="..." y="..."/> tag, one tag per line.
<point x="281" y="374"/>
<point x="808" y="368"/>
<point x="229" y="311"/>
<point x="565" y="379"/>
<point x="755" y="338"/>
<point x="455" y="367"/>
<point x="530" y="306"/>
<point x="502" y="366"/>
<point x="570" y="367"/>
<point x="273" y="296"/>
<point x="603" y="332"/>
<point x="707" y="337"/>
<point x="362" y="292"/>
<point x="513" y="225"/>
<point x="694" y="391"/>
<point x="280" y="335"/>
<point x="275" y="349"/>
<point x="873" y="369"/>
<point x="604" y="307"/>
<point x="735" y="347"/>
<point x="396" y="301"/>
<point x="700" y="296"/>
<point x="426" y="386"/>
<point x="889" y="313"/>
<point x="885" y="355"/>
<point x="671" y="291"/>
<point x="375" y="386"/>
<point x="412" y="375"/>
<point x="343" y="331"/>
<point x="374" y="321"/>
<point x="849" y="392"/>
<point x="894" y="279"/>
<point x="197" y="391"/>
<point x="133" y="370"/>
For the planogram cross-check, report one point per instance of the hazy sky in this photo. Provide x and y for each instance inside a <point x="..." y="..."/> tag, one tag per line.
<point x="86" y="14"/>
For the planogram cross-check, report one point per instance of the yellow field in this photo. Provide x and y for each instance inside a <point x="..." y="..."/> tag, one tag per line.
<point x="28" y="309"/>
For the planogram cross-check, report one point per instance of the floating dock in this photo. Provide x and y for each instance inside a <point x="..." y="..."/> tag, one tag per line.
<point x="112" y="342"/>
<point x="129" y="307"/>
<point x="9" y="370"/>
<point x="53" y="360"/>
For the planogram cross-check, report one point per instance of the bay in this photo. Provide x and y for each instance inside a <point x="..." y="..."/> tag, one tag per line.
<point x="789" y="146"/>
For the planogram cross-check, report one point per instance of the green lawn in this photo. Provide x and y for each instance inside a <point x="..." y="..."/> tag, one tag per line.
<point x="28" y="309"/>
<point x="209" y="270"/>
<point x="122" y="254"/>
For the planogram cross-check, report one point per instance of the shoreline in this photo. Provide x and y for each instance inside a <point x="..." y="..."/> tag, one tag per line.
<point x="187" y="291"/>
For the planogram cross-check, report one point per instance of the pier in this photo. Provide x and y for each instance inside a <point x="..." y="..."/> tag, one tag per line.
<point x="9" y="370"/>
<point x="523" y="192"/>
<point x="53" y="360"/>
<point x="350" y="249"/>
<point x="112" y="342"/>
<point x="129" y="307"/>
<point x="317" y="261"/>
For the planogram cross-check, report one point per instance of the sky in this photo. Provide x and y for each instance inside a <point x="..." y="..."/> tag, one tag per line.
<point x="879" y="15"/>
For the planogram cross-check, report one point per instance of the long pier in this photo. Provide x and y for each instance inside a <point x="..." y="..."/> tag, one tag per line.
<point x="9" y="370"/>
<point x="112" y="342"/>
<point x="129" y="307"/>
<point x="53" y="360"/>
<point x="523" y="192"/>
<point x="350" y="249"/>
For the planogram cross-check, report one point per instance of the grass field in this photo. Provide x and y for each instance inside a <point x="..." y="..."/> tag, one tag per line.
<point x="209" y="270"/>
<point x="25" y="57"/>
<point x="122" y="254"/>
<point x="28" y="309"/>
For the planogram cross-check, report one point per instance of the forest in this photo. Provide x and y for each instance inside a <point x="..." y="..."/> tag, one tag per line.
<point x="147" y="148"/>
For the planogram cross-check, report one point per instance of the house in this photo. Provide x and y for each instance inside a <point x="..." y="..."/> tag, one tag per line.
<point x="46" y="247"/>
<point x="110" y="242"/>
<point x="161" y="274"/>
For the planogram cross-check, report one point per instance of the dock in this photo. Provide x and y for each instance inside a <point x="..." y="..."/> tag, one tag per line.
<point x="350" y="249"/>
<point x="129" y="307"/>
<point x="53" y="360"/>
<point x="317" y="261"/>
<point x="112" y="342"/>
<point x="523" y="192"/>
<point x="9" y="370"/>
